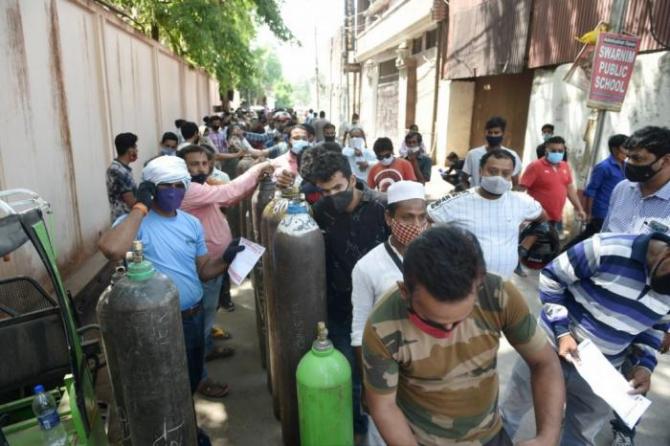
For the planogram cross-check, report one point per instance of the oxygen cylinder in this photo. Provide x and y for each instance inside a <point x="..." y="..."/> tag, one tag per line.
<point x="298" y="303"/>
<point x="324" y="395"/>
<point x="245" y="163"/>
<point x="272" y="215"/>
<point x="260" y="199"/>
<point x="142" y="334"/>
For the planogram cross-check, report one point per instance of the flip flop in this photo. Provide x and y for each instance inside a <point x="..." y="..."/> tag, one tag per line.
<point x="220" y="353"/>
<point x="211" y="389"/>
<point x="220" y="333"/>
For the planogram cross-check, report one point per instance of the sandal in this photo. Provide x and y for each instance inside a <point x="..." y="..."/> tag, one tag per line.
<point x="220" y="353"/>
<point x="211" y="389"/>
<point x="220" y="333"/>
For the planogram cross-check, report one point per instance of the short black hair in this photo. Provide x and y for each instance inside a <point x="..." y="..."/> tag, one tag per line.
<point x="192" y="148"/>
<point x="496" y="121"/>
<point x="655" y="139"/>
<point x="497" y="154"/>
<point x="555" y="140"/>
<point x="452" y="156"/>
<point x="189" y="129"/>
<point x="383" y="144"/>
<point x="548" y="126"/>
<point x="214" y="118"/>
<point x="169" y="136"/>
<point x="326" y="164"/>
<point x="322" y="114"/>
<point x="411" y="135"/>
<point x="444" y="251"/>
<point x="179" y="122"/>
<point x="615" y="141"/>
<point x="123" y="142"/>
<point x="309" y="155"/>
<point x="329" y="126"/>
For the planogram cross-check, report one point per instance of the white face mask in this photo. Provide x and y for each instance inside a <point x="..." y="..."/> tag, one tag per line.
<point x="496" y="185"/>
<point x="357" y="142"/>
<point x="387" y="161"/>
<point x="347" y="151"/>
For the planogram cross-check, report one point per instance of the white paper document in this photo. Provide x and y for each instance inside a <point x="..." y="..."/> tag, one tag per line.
<point x="609" y="384"/>
<point x="244" y="261"/>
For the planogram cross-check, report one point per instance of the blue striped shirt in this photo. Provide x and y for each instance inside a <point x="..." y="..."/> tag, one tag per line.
<point x="604" y="286"/>
<point x="632" y="213"/>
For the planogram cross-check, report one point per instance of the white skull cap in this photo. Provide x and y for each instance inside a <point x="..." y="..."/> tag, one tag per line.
<point x="405" y="190"/>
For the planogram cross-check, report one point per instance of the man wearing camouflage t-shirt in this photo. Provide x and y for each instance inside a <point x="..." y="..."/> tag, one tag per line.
<point x="430" y="350"/>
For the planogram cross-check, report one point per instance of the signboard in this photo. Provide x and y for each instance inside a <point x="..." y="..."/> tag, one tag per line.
<point x="351" y="68"/>
<point x="349" y="24"/>
<point x="613" y="63"/>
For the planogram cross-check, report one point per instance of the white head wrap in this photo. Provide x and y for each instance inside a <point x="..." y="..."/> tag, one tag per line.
<point x="166" y="169"/>
<point x="405" y="190"/>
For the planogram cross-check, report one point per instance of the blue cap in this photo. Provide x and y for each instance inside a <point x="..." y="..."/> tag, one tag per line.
<point x="296" y="208"/>
<point x="39" y="388"/>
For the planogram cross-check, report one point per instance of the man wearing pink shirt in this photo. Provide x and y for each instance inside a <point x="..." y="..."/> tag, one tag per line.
<point x="289" y="161"/>
<point x="204" y="201"/>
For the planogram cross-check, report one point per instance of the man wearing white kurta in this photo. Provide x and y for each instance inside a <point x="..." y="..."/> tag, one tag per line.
<point x="380" y="269"/>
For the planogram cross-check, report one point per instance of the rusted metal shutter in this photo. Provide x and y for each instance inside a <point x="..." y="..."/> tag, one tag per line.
<point x="555" y="23"/>
<point x="486" y="37"/>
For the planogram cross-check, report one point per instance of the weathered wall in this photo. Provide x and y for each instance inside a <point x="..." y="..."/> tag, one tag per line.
<point x="73" y="76"/>
<point x="425" y="93"/>
<point x="552" y="100"/>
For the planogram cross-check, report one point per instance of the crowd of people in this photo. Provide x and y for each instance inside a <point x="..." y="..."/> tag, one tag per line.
<point x="418" y="293"/>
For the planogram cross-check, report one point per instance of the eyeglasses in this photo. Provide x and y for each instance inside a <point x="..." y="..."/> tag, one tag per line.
<point x="383" y="157"/>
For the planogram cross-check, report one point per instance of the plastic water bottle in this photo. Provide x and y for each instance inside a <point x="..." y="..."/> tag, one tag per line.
<point x="44" y="408"/>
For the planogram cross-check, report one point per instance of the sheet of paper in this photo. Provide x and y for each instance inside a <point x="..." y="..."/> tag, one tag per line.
<point x="609" y="384"/>
<point x="244" y="261"/>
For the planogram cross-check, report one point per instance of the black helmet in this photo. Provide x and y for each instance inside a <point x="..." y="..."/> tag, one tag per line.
<point x="545" y="249"/>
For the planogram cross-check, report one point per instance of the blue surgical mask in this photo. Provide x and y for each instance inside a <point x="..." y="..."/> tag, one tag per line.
<point x="555" y="157"/>
<point x="297" y="146"/>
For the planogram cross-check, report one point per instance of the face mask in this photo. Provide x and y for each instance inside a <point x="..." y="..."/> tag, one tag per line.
<point x="495" y="185"/>
<point x="357" y="142"/>
<point x="348" y="151"/>
<point x="169" y="149"/>
<point x="170" y="199"/>
<point x="660" y="284"/>
<point x="639" y="174"/>
<point x="405" y="233"/>
<point x="414" y="149"/>
<point x="329" y="138"/>
<point x="546" y="136"/>
<point x="555" y="157"/>
<point x="494" y="141"/>
<point x="387" y="161"/>
<point x="199" y="178"/>
<point x="341" y="200"/>
<point x="297" y="146"/>
<point x="429" y="327"/>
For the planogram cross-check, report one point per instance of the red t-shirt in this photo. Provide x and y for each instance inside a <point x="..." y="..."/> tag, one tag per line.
<point x="548" y="184"/>
<point x="381" y="177"/>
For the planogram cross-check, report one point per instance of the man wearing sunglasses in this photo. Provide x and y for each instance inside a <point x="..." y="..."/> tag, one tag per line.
<point x="430" y="350"/>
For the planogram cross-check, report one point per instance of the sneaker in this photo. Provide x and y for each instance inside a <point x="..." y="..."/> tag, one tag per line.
<point x="622" y="439"/>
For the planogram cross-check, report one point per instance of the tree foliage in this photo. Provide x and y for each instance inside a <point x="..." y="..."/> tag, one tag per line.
<point x="212" y="34"/>
<point x="264" y="80"/>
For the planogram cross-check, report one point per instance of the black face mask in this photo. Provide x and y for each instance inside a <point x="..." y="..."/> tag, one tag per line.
<point x="639" y="174"/>
<point x="199" y="178"/>
<point x="660" y="284"/>
<point x="341" y="200"/>
<point x="329" y="138"/>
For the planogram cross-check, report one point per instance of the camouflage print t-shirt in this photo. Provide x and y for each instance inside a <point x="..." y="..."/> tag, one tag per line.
<point x="447" y="388"/>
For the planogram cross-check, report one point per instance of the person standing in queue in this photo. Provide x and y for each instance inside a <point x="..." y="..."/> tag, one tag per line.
<point x="430" y="350"/>
<point x="352" y="218"/>
<point x="174" y="242"/>
<point x="388" y="169"/>
<point x="379" y="270"/>
<point x="121" y="186"/>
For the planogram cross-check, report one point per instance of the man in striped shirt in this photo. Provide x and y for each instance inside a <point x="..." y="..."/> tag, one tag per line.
<point x="613" y="289"/>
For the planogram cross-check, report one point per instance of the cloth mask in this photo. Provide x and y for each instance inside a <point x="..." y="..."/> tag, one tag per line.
<point x="199" y="178"/>
<point x="357" y="142"/>
<point x="329" y="138"/>
<point x="639" y="174"/>
<point x="387" y="161"/>
<point x="405" y="233"/>
<point x="494" y="141"/>
<point x="555" y="157"/>
<point x="495" y="185"/>
<point x="341" y="200"/>
<point x="170" y="199"/>
<point x="297" y="146"/>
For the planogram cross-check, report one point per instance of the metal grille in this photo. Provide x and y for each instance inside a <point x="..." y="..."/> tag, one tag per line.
<point x="21" y="296"/>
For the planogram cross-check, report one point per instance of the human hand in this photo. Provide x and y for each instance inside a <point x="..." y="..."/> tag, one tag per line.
<point x="640" y="381"/>
<point x="665" y="344"/>
<point x="232" y="250"/>
<point x="581" y="215"/>
<point x="362" y="165"/>
<point x="266" y="170"/>
<point x="285" y="179"/>
<point x="567" y="348"/>
<point x="146" y="193"/>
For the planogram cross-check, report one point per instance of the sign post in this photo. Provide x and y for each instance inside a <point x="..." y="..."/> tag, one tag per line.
<point x="613" y="64"/>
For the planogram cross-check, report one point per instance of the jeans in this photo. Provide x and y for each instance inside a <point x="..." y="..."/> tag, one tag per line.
<point x="340" y="334"/>
<point x="210" y="303"/>
<point x="585" y="412"/>
<point x="195" y="346"/>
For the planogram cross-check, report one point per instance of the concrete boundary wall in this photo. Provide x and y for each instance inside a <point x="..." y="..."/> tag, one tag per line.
<point x="73" y="76"/>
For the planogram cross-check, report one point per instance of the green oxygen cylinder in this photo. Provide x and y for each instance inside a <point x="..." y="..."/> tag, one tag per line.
<point x="324" y="395"/>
